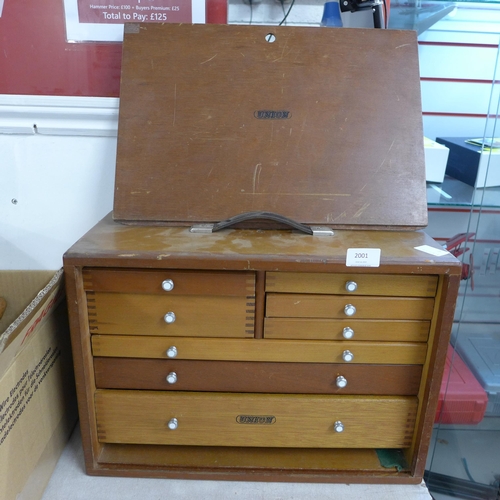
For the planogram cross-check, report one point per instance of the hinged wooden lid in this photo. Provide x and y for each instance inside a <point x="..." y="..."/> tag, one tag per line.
<point x="320" y="125"/>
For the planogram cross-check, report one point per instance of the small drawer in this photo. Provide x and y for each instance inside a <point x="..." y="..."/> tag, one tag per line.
<point x="223" y="419"/>
<point x="169" y="282"/>
<point x="240" y="376"/>
<point x="395" y="285"/>
<point x="183" y="315"/>
<point x="347" y="329"/>
<point x="294" y="305"/>
<point x="262" y="350"/>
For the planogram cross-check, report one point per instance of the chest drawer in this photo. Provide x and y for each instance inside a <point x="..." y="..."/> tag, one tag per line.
<point x="294" y="305"/>
<point x="355" y="284"/>
<point x="185" y="315"/>
<point x="169" y="282"/>
<point x="222" y="419"/>
<point x="347" y="329"/>
<point x="236" y="376"/>
<point x="262" y="350"/>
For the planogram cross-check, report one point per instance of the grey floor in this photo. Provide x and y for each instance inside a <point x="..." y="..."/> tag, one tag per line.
<point x="69" y="482"/>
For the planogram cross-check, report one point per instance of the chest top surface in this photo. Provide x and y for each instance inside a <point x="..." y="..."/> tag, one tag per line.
<point x="115" y="244"/>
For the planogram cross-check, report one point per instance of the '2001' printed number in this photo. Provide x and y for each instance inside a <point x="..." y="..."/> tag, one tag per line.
<point x="360" y="255"/>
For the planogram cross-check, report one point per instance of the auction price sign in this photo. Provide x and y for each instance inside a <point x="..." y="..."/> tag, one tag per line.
<point x="96" y="20"/>
<point x="363" y="257"/>
<point x="138" y="11"/>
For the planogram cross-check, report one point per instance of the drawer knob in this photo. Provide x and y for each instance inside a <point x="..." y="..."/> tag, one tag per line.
<point x="338" y="426"/>
<point x="348" y="332"/>
<point x="169" y="317"/>
<point x="349" y="310"/>
<point x="172" y="352"/>
<point x="173" y="424"/>
<point x="341" y="381"/>
<point x="351" y="286"/>
<point x="347" y="356"/>
<point x="172" y="378"/>
<point x="168" y="285"/>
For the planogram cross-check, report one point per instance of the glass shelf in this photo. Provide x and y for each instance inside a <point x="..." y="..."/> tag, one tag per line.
<point x="454" y="193"/>
<point x="413" y="15"/>
<point x="463" y="457"/>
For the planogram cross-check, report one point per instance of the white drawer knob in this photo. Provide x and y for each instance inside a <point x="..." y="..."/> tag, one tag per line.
<point x="169" y="317"/>
<point x="168" y="285"/>
<point x="351" y="286"/>
<point x="338" y="426"/>
<point x="347" y="356"/>
<point x="172" y="352"/>
<point x="173" y="424"/>
<point x="341" y="381"/>
<point x="349" y="310"/>
<point x="172" y="378"/>
<point x="348" y="332"/>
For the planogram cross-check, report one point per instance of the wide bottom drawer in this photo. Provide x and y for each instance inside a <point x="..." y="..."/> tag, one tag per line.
<point x="240" y="376"/>
<point x="222" y="419"/>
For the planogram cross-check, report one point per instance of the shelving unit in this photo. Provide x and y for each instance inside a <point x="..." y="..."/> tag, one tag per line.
<point x="463" y="461"/>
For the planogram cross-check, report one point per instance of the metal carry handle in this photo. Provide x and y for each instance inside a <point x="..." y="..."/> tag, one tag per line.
<point x="262" y="215"/>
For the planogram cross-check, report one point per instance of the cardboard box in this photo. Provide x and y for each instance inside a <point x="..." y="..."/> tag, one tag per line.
<point x="436" y="158"/>
<point x="37" y="394"/>
<point x="462" y="400"/>
<point x="467" y="164"/>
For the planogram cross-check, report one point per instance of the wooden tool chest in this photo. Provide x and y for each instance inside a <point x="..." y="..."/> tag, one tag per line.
<point x="263" y="354"/>
<point x="259" y="355"/>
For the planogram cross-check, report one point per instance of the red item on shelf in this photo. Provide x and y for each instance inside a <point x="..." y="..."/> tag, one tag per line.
<point x="462" y="400"/>
<point x="216" y="11"/>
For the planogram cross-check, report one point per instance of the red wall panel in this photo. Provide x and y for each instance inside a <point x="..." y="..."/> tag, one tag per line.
<point x="35" y="58"/>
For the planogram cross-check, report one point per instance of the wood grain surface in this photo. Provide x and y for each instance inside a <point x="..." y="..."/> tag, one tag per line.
<point x="222" y="419"/>
<point x="321" y="126"/>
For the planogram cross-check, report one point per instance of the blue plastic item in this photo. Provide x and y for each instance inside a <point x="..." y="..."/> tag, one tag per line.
<point x="331" y="15"/>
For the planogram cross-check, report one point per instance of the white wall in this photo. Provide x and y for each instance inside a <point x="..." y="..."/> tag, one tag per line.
<point x="57" y="160"/>
<point x="303" y="13"/>
<point x="457" y="76"/>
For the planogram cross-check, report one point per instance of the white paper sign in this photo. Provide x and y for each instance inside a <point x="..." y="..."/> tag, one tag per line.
<point x="431" y="250"/>
<point x="363" y="257"/>
<point x="102" y="21"/>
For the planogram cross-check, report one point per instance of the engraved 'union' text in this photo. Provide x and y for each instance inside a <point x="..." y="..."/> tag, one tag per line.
<point x="268" y="114"/>
<point x="256" y="419"/>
